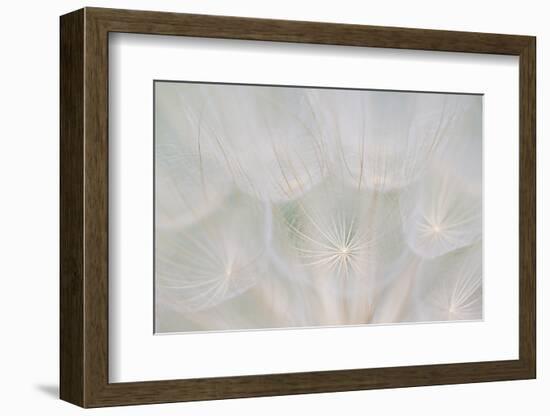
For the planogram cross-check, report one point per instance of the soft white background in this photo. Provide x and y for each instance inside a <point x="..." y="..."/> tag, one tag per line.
<point x="29" y="209"/>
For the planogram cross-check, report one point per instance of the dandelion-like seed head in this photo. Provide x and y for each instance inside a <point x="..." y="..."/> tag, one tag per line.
<point x="334" y="245"/>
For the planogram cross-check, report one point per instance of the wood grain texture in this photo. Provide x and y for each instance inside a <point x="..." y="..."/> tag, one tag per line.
<point x="84" y="207"/>
<point x="71" y="208"/>
<point x="527" y="208"/>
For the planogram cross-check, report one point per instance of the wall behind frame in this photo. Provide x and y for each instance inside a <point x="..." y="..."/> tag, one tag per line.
<point x="29" y="179"/>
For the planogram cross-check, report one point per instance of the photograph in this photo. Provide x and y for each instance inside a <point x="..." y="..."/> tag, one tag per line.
<point x="262" y="208"/>
<point x="280" y="207"/>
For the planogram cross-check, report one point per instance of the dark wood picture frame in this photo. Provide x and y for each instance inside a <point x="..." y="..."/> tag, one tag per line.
<point x="84" y="207"/>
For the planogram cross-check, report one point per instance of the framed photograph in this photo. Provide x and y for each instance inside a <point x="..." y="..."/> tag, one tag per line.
<point x="254" y="207"/>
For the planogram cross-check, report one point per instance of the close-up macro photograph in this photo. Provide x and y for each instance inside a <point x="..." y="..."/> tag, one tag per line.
<point x="243" y="208"/>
